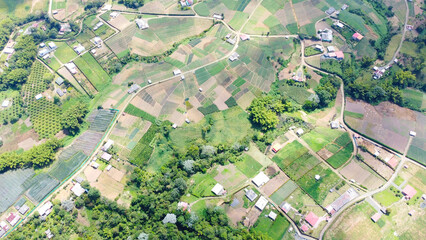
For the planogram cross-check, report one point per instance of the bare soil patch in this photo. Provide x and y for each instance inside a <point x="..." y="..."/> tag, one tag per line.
<point x="116" y="174"/>
<point x="325" y="154"/>
<point x="108" y="187"/>
<point x="275" y="183"/>
<point x="92" y="174"/>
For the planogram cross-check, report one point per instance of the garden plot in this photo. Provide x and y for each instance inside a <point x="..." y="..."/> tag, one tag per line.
<point x="283" y="192"/>
<point x="388" y="124"/>
<point x="275" y="183"/>
<point x="68" y="10"/>
<point x="229" y="177"/>
<point x="362" y="175"/>
<point x="307" y="13"/>
<point x="301" y="165"/>
<point x="157" y="7"/>
<point x="381" y="168"/>
<point x="248" y="165"/>
<point x="201" y="185"/>
<point x="319" y="189"/>
<point x="108" y="186"/>
<point x="40" y="186"/>
<point x="129" y="131"/>
<point x="101" y="119"/>
<point x="12" y="186"/>
<point x="276" y="229"/>
<point x="289" y="153"/>
<point x="93" y="71"/>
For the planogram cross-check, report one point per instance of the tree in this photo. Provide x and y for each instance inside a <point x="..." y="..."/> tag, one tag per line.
<point x="73" y="118"/>
<point x="94" y="194"/>
<point x="16" y="77"/>
<point x="404" y="79"/>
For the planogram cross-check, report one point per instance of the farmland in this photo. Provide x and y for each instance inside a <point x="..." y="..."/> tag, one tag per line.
<point x="93" y="71"/>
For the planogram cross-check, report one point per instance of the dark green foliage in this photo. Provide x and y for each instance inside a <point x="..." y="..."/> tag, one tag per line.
<point x="231" y="102"/>
<point x="264" y="111"/>
<point x="132" y="3"/>
<point x="209" y="109"/>
<point x="326" y="92"/>
<point x="135" y="111"/>
<point x="73" y="118"/>
<point x="142" y="151"/>
<point x="38" y="156"/>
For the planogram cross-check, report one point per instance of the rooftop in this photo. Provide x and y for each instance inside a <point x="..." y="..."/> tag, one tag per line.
<point x="312" y="219"/>
<point x="261" y="203"/>
<point x="260" y="179"/>
<point x="218" y="189"/>
<point x="409" y="191"/>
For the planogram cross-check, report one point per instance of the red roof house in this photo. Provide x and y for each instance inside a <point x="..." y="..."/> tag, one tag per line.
<point x="376" y="217"/>
<point x="340" y="55"/>
<point x="409" y="192"/>
<point x="304" y="228"/>
<point x="312" y="219"/>
<point x="393" y="162"/>
<point x="357" y="37"/>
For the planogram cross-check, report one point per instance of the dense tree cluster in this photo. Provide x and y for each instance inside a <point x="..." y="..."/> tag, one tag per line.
<point x="264" y="111"/>
<point x="73" y="118"/>
<point x="325" y="93"/>
<point x="6" y="28"/>
<point x="132" y="3"/>
<point x="38" y="156"/>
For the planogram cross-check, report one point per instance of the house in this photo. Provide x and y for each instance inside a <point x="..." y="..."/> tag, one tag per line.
<point x="149" y="81"/>
<point x="38" y="96"/>
<point x="234" y="56"/>
<point x="261" y="203"/>
<point x="176" y="72"/>
<point x="334" y="124"/>
<point x="392" y="162"/>
<point x="174" y="126"/>
<point x="95" y="165"/>
<point x="244" y="37"/>
<point x="43" y="52"/>
<point x="200" y="89"/>
<point x="276" y="147"/>
<point x="343" y="199"/>
<point x="187" y="120"/>
<point x="109" y="167"/>
<point x="5" y="103"/>
<point x="8" y="50"/>
<point x="79" y="49"/>
<point x="97" y="41"/>
<point x="251" y="195"/>
<point x="79" y="179"/>
<point x="45" y="209"/>
<point x="71" y="67"/>
<point x="42" y="45"/>
<point x="413" y="134"/>
<point x="186" y="3"/>
<point x="107" y="145"/>
<point x="142" y="23"/>
<point x="231" y="41"/>
<point x="218" y="189"/>
<point x="357" y="36"/>
<point x="272" y="215"/>
<point x="331" y="49"/>
<point x="344" y="7"/>
<point x="317" y="177"/>
<point x="114" y="14"/>
<point x="59" y="81"/>
<point x="218" y="16"/>
<point x="59" y="92"/>
<point x="376" y="217"/>
<point x="260" y="179"/>
<point x="304" y="228"/>
<point x="330" y="11"/>
<point x="4" y="226"/>
<point x="299" y="132"/>
<point x="49" y="234"/>
<point x="77" y="189"/>
<point x="409" y="192"/>
<point x="24" y="209"/>
<point x="65" y="27"/>
<point x="326" y="35"/>
<point x="13" y="218"/>
<point x="312" y="219"/>
<point x="285" y="206"/>
<point x="319" y="47"/>
<point x="133" y="88"/>
<point x="98" y="25"/>
<point x="169" y="218"/>
<point x="106" y="156"/>
<point x="52" y="45"/>
<point x="340" y="55"/>
<point x="228" y="35"/>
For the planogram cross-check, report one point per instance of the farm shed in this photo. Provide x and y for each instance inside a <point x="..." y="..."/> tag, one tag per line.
<point x="114" y="14"/>
<point x="59" y="92"/>
<point x="79" y="49"/>
<point x="331" y="49"/>
<point x="218" y="189"/>
<point x="43" y="52"/>
<point x="71" y="67"/>
<point x="376" y="217"/>
<point x="260" y="179"/>
<point x="232" y="41"/>
<point x="334" y="124"/>
<point x="108" y="167"/>
<point x="251" y="195"/>
<point x="169" y="218"/>
<point x="106" y="156"/>
<point x="8" y="50"/>
<point x="312" y="219"/>
<point x="285" y="207"/>
<point x="79" y="179"/>
<point x="261" y="203"/>
<point x="177" y="72"/>
<point x="142" y="23"/>
<point x="326" y="35"/>
<point x="304" y="228"/>
<point x="95" y="165"/>
<point x="52" y="45"/>
<point x="234" y="56"/>
<point x="299" y="131"/>
<point x="272" y="215"/>
<point x="20" y="203"/>
<point x="357" y="36"/>
<point x="49" y="234"/>
<point x="5" y="103"/>
<point x="24" y="209"/>
<point x="97" y="40"/>
<point x="340" y="55"/>
<point x="107" y="145"/>
<point x="244" y="37"/>
<point x="4" y="225"/>
<point x="217" y="16"/>
<point x="330" y="11"/>
<point x="45" y="209"/>
<point x="133" y="88"/>
<point x="38" y="96"/>
<point x="77" y="189"/>
<point x="98" y="25"/>
<point x="409" y="191"/>
<point x="59" y="81"/>
<point x="343" y="199"/>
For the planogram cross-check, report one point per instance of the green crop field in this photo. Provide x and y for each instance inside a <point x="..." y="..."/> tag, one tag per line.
<point x="15" y="110"/>
<point x="93" y="71"/>
<point x="248" y="165"/>
<point x="202" y="75"/>
<point x="342" y="156"/>
<point x="320" y="137"/>
<point x="274" y="229"/>
<point x="64" y="52"/>
<point x="343" y="140"/>
<point x="333" y="148"/>
<point x="414" y="99"/>
<point x="319" y="189"/>
<point x="135" y="111"/>
<point x="216" y="68"/>
<point x="301" y="165"/>
<point x="354" y="115"/>
<point x="289" y="153"/>
<point x="141" y="153"/>
<point x="238" y="20"/>
<point x="310" y="51"/>
<point x="298" y="93"/>
<point x="283" y="192"/>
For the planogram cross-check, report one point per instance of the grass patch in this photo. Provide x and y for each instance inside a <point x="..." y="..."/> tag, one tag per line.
<point x="64" y="52"/>
<point x="216" y="68"/>
<point x="135" y="111"/>
<point x="386" y="197"/>
<point x="343" y="140"/>
<point x="248" y="166"/>
<point x="274" y="229"/>
<point x="209" y="109"/>
<point x="310" y="51"/>
<point x="239" y="82"/>
<point x="202" y="185"/>
<point x="300" y="166"/>
<point x="320" y="137"/>
<point x="398" y="180"/>
<point x="341" y="157"/>
<point x="93" y="71"/>
<point x="413" y="98"/>
<point x="354" y="115"/>
<point x="238" y="20"/>
<point x="283" y="192"/>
